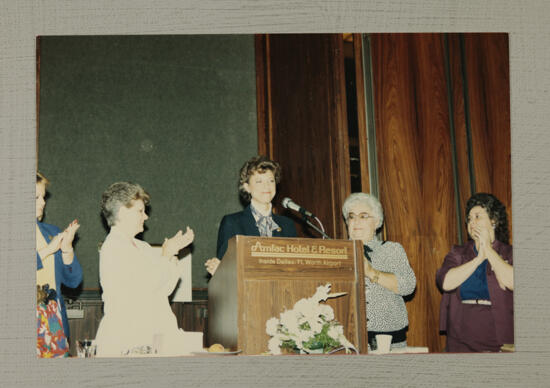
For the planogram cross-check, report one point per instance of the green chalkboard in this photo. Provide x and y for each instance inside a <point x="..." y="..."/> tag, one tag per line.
<point x="176" y="114"/>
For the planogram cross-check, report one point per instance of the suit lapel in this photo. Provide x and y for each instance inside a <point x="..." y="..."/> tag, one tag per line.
<point x="278" y="232"/>
<point x="248" y="223"/>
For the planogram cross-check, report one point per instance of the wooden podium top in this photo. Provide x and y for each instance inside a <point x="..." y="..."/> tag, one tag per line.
<point x="261" y="257"/>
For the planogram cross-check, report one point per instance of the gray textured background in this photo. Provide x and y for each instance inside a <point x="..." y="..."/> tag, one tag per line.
<point x="528" y="25"/>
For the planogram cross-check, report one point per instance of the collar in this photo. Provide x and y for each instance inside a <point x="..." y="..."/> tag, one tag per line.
<point x="370" y="246"/>
<point x="373" y="244"/>
<point x="120" y="235"/>
<point x="257" y="215"/>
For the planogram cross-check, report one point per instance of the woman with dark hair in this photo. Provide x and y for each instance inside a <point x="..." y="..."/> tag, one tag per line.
<point x="136" y="280"/>
<point x="56" y="264"/>
<point x="477" y="281"/>
<point x="257" y="185"/>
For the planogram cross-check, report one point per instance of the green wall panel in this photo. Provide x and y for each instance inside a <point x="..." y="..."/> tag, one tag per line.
<point x="176" y="114"/>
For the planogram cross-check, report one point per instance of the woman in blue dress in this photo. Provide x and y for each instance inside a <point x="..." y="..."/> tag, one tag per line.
<point x="56" y="264"/>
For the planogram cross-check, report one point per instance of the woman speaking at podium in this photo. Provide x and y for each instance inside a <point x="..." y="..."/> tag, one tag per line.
<point x="388" y="275"/>
<point x="257" y="185"/>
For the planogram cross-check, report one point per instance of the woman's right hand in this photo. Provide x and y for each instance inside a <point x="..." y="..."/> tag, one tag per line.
<point x="212" y="265"/>
<point x="52" y="247"/>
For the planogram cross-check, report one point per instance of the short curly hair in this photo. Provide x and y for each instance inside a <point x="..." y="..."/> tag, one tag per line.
<point x="496" y="211"/>
<point x="120" y="194"/>
<point x="365" y="199"/>
<point x="259" y="164"/>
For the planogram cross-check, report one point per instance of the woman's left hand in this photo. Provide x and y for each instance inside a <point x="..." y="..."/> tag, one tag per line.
<point x="384" y="279"/>
<point x="503" y="270"/>
<point x="68" y="236"/>
<point x="483" y="236"/>
<point x="173" y="245"/>
<point x="369" y="270"/>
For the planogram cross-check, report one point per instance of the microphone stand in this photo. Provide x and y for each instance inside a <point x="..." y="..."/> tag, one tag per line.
<point x="306" y="219"/>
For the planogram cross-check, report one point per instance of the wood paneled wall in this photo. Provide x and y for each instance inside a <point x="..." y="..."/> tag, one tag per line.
<point x="414" y="107"/>
<point x="481" y="99"/>
<point x="487" y="75"/>
<point x="415" y="167"/>
<point x="441" y="114"/>
<point x="302" y="122"/>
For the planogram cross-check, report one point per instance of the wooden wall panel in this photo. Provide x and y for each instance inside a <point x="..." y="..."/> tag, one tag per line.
<point x="192" y="316"/>
<point x="459" y="120"/>
<point x="305" y="125"/>
<point x="302" y="125"/>
<point x="361" y="111"/>
<point x="488" y="78"/>
<point x="415" y="164"/>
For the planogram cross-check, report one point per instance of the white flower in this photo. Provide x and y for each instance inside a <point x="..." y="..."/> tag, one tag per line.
<point x="322" y="292"/>
<point x="303" y="336"/>
<point x="316" y="326"/>
<point x="327" y="312"/>
<point x="274" y="346"/>
<point x="271" y="326"/>
<point x="291" y="323"/>
<point x="305" y="306"/>
<point x="289" y="320"/>
<point x="335" y="331"/>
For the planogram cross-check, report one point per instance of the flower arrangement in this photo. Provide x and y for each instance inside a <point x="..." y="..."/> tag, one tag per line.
<point x="309" y="327"/>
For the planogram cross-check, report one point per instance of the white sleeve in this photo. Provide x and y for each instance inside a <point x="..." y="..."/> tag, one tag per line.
<point x="117" y="270"/>
<point x="164" y="272"/>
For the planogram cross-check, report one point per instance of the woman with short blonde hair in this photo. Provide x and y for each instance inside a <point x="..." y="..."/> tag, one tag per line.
<point x="56" y="264"/>
<point x="136" y="280"/>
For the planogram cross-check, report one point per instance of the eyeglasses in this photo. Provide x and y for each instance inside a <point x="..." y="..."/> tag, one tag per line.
<point x="360" y="216"/>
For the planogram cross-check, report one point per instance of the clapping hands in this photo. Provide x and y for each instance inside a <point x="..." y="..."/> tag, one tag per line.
<point x="52" y="247"/>
<point x="483" y="236"/>
<point x="62" y="241"/>
<point x="68" y="236"/>
<point x="180" y="240"/>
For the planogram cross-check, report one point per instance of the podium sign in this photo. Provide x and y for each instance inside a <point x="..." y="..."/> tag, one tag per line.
<point x="261" y="277"/>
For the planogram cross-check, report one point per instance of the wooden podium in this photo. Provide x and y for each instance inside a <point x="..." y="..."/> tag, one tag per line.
<point x="260" y="277"/>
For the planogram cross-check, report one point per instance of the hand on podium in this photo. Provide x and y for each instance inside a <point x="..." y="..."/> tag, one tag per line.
<point x="212" y="265"/>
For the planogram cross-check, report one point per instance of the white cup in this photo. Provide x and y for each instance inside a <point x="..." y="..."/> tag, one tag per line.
<point x="383" y="342"/>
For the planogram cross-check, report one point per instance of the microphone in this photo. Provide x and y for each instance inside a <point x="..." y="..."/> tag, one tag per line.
<point x="290" y="204"/>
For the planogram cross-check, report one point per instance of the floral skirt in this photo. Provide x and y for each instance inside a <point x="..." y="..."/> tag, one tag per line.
<point x="51" y="340"/>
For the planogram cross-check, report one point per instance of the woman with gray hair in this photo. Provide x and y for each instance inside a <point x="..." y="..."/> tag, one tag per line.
<point x="136" y="280"/>
<point x="388" y="275"/>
